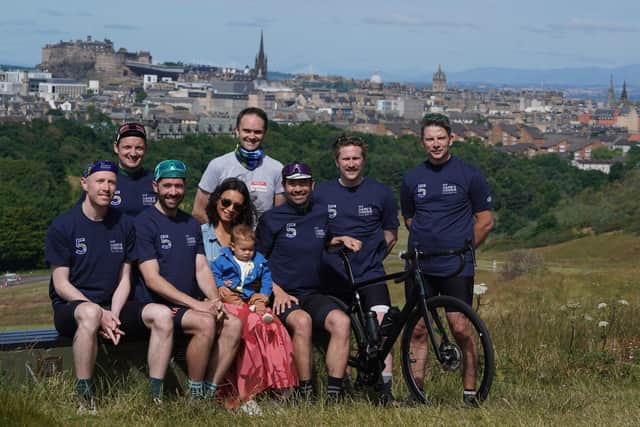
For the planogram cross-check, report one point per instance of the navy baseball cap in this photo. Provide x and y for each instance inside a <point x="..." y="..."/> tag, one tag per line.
<point x="99" y="166"/>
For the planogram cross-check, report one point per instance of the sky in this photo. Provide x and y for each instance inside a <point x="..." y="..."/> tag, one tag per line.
<point x="401" y="39"/>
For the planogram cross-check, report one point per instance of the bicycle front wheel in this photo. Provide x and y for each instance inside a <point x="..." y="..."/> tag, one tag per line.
<point x="464" y="346"/>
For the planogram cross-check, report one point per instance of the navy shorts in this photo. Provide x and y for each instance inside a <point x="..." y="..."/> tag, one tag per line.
<point x="460" y="287"/>
<point x="317" y="305"/>
<point x="130" y="319"/>
<point x="370" y="296"/>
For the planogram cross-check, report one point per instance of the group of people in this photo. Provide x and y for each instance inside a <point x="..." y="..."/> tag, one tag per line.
<point x="246" y="278"/>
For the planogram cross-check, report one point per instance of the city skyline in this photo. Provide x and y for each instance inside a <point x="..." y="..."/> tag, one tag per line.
<point x="352" y="39"/>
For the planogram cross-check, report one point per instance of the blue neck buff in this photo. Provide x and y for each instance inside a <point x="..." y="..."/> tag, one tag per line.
<point x="249" y="159"/>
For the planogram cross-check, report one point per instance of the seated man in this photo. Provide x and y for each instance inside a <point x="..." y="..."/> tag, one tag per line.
<point x="177" y="274"/>
<point x="90" y="249"/>
<point x="292" y="236"/>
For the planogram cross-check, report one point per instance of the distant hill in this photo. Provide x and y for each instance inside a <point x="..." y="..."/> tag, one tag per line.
<point x="586" y="76"/>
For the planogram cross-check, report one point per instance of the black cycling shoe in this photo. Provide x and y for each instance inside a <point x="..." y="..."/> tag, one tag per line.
<point x="471" y="401"/>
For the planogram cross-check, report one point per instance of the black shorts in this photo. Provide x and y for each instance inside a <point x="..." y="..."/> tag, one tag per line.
<point x="130" y="319"/>
<point x="317" y="305"/>
<point x="178" y="313"/>
<point x="370" y="296"/>
<point x="460" y="287"/>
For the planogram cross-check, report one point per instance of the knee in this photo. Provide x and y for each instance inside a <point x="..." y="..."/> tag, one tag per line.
<point x="300" y="324"/>
<point x="338" y="324"/>
<point x="206" y="326"/>
<point x="419" y="333"/>
<point x="88" y="315"/>
<point x="159" y="319"/>
<point x="232" y="326"/>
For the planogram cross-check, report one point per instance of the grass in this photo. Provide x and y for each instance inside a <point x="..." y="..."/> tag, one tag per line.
<point x="555" y="364"/>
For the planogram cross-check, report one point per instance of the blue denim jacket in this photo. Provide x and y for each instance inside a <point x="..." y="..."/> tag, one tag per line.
<point x="227" y="273"/>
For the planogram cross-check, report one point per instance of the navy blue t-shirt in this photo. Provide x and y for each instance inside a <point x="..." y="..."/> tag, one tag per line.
<point x="362" y="212"/>
<point x="442" y="200"/>
<point x="293" y="241"/>
<point x="174" y="242"/>
<point x="134" y="192"/>
<point x="94" y="251"/>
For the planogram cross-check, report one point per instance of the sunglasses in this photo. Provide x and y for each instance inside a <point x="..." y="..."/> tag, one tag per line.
<point x="237" y="207"/>
<point x="296" y="168"/>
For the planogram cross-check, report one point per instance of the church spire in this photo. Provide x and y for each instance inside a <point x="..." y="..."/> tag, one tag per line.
<point x="260" y="67"/>
<point x="611" y="98"/>
<point x="623" y="95"/>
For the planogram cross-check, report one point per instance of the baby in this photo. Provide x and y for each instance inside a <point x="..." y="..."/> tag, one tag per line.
<point x="242" y="274"/>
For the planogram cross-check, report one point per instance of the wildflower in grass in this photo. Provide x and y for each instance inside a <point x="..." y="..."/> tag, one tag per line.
<point x="603" y="324"/>
<point x="623" y="302"/>
<point x="480" y="289"/>
<point x="602" y="306"/>
<point x="563" y="307"/>
<point x="573" y="305"/>
<point x="588" y="318"/>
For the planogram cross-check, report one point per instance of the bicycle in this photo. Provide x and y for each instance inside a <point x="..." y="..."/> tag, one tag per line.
<point x="424" y="321"/>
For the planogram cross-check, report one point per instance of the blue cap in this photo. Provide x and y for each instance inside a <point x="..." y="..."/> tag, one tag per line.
<point x="170" y="169"/>
<point x="99" y="166"/>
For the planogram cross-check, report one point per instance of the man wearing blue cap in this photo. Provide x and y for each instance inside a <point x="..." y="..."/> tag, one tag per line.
<point x="90" y="249"/>
<point x="176" y="273"/>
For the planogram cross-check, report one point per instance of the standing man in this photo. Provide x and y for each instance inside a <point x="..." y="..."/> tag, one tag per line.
<point x="248" y="163"/>
<point x="90" y="249"/>
<point x="293" y="236"/>
<point x="445" y="203"/>
<point x="176" y="272"/>
<point x="366" y="210"/>
<point x="135" y="191"/>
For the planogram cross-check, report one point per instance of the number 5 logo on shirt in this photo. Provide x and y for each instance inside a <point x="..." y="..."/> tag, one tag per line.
<point x="333" y="211"/>
<point x="421" y="191"/>
<point x="81" y="246"/>
<point x="291" y="230"/>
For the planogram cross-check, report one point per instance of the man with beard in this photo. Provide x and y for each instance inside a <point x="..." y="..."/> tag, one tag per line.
<point x="248" y="163"/>
<point x="293" y="236"/>
<point x="176" y="273"/>
<point x="90" y="249"/>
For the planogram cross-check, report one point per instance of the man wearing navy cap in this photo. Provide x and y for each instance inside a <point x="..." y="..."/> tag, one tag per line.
<point x="176" y="273"/>
<point x="293" y="236"/>
<point x="90" y="249"/>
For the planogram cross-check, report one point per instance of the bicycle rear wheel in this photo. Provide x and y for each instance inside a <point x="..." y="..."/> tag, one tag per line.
<point x="426" y="376"/>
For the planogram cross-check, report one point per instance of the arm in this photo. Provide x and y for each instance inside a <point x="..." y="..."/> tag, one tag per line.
<point x="111" y="318"/>
<point x="407" y="223"/>
<point x="64" y="288"/>
<point x="151" y="272"/>
<point x="267" y="281"/>
<point x="482" y="226"/>
<point x="350" y="243"/>
<point x="200" y="205"/>
<point x="204" y="277"/>
<point x="391" y="237"/>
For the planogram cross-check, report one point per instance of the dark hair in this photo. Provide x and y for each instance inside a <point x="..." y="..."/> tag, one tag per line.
<point x="435" y="119"/>
<point x="256" y="111"/>
<point x="345" y="141"/>
<point x="248" y="213"/>
<point x="244" y="232"/>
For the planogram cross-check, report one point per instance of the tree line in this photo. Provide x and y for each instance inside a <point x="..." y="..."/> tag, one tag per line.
<point x="40" y="163"/>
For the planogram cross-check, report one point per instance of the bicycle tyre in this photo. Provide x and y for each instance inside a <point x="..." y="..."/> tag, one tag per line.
<point x="447" y="381"/>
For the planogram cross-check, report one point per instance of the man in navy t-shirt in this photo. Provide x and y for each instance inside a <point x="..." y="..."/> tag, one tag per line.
<point x="366" y="210"/>
<point x="445" y="204"/>
<point x="90" y="249"/>
<point x="176" y="273"/>
<point x="293" y="236"/>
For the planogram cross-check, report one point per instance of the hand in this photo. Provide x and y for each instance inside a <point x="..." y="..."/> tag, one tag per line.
<point x="224" y="292"/>
<point x="207" y="306"/>
<point x="259" y="301"/>
<point x="110" y="327"/>
<point x="350" y="243"/>
<point x="283" y="301"/>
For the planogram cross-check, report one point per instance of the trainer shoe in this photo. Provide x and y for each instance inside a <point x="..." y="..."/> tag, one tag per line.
<point x="87" y="407"/>
<point x="471" y="401"/>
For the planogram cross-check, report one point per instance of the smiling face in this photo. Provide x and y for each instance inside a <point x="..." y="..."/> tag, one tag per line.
<point x="251" y="131"/>
<point x="350" y="163"/>
<point x="229" y="205"/>
<point x="130" y="151"/>
<point x="298" y="191"/>
<point x="99" y="187"/>
<point x="170" y="193"/>
<point x="436" y="142"/>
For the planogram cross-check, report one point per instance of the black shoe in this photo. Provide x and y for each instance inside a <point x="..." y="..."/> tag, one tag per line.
<point x="334" y="399"/>
<point x="385" y="398"/>
<point x="471" y="401"/>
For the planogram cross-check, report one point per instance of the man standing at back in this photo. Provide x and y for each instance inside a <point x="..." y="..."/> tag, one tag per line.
<point x="176" y="272"/>
<point x="248" y="163"/>
<point x="445" y="204"/>
<point x="366" y="210"/>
